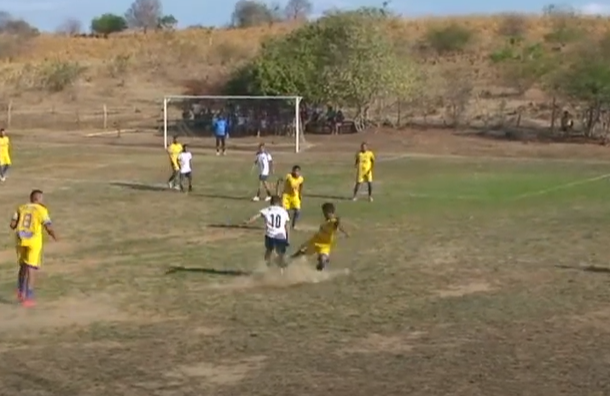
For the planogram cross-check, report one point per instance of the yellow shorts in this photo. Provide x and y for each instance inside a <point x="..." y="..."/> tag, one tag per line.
<point x="30" y="255"/>
<point x="291" y="203"/>
<point x="365" y="176"/>
<point x="318" y="248"/>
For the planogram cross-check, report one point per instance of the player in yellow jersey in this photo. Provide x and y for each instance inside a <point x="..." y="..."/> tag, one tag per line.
<point x="28" y="222"/>
<point x="292" y="194"/>
<point x="5" y="154"/>
<point x="365" y="162"/>
<point x="174" y="151"/>
<point x="323" y="241"/>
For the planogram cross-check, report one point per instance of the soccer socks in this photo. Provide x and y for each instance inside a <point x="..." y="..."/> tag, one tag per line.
<point x="370" y="186"/>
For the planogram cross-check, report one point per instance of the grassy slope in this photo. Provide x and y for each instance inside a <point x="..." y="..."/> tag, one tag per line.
<point x="132" y="71"/>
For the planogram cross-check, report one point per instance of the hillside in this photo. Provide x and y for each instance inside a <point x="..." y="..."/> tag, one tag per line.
<point x="130" y="73"/>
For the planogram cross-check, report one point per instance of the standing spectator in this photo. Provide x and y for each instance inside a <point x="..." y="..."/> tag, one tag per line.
<point x="220" y="133"/>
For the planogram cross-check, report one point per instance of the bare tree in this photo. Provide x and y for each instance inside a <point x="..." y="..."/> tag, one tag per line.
<point x="298" y="9"/>
<point x="144" y="14"/>
<point x="70" y="27"/>
<point x="16" y="27"/>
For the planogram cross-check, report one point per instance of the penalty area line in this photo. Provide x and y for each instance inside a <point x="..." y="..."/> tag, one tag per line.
<point x="560" y="187"/>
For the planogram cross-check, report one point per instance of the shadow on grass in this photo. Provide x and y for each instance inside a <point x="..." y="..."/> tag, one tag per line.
<point x="590" y="268"/>
<point x="234" y="226"/>
<point x="221" y="196"/>
<point x="140" y="186"/>
<point x="329" y="196"/>
<point x="207" y="271"/>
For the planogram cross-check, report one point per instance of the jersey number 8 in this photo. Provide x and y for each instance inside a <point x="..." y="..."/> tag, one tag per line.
<point x="27" y="220"/>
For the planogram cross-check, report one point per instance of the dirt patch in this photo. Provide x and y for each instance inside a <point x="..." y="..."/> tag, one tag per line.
<point x="63" y="313"/>
<point x="465" y="289"/>
<point x="297" y="273"/>
<point x="377" y="343"/>
<point x="229" y="373"/>
<point x="208" y="331"/>
<point x="598" y="319"/>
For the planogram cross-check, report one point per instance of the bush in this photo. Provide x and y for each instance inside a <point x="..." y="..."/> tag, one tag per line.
<point x="108" y="23"/>
<point x="56" y="76"/>
<point x="344" y="58"/>
<point x="453" y="38"/>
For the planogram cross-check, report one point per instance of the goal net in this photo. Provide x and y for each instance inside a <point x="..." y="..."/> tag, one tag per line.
<point x="250" y="120"/>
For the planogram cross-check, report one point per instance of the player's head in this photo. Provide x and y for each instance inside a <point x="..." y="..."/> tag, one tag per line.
<point x="328" y="210"/>
<point x="364" y="147"/>
<point x="2" y="132"/>
<point x="275" y="201"/>
<point x="261" y="147"/>
<point x="185" y="148"/>
<point x="175" y="139"/>
<point x="36" y="196"/>
<point x="296" y="171"/>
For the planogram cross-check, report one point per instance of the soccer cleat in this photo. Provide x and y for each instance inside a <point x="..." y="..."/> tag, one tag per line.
<point x="29" y="303"/>
<point x="256" y="199"/>
<point x="370" y="199"/>
<point x="267" y="199"/>
<point x="355" y="199"/>
<point x="170" y="185"/>
<point x="218" y="153"/>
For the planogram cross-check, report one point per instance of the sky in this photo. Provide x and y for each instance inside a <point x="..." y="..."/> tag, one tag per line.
<point x="49" y="14"/>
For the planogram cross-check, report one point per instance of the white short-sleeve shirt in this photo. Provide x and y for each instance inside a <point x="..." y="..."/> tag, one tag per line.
<point x="184" y="160"/>
<point x="263" y="160"/>
<point x="276" y="219"/>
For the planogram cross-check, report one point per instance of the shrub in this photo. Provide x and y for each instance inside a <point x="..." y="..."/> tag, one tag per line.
<point x="453" y="38"/>
<point x="56" y="76"/>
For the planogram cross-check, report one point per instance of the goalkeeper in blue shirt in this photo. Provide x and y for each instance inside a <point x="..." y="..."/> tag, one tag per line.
<point x="221" y="129"/>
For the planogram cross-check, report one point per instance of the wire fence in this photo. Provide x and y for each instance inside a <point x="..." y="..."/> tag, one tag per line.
<point x="77" y="117"/>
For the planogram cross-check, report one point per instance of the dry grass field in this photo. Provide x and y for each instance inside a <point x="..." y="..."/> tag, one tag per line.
<point x="481" y="269"/>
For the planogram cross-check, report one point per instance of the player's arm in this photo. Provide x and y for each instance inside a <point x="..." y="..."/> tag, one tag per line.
<point x="301" y="191"/>
<point x="14" y="221"/>
<point x="372" y="160"/>
<point x="357" y="161"/>
<point x="270" y="165"/>
<point x="50" y="230"/>
<point x="253" y="219"/>
<point x="341" y="229"/>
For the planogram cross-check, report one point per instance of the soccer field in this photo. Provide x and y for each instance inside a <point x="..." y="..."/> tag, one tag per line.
<point x="467" y="276"/>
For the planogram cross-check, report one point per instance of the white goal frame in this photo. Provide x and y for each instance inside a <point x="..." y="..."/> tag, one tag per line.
<point x="297" y="114"/>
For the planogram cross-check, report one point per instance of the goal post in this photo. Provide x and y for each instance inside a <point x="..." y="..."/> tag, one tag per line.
<point x="247" y="116"/>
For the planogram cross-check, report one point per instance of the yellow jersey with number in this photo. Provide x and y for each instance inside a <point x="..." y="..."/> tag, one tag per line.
<point x="5" y="151"/>
<point x="292" y="185"/>
<point x="174" y="151"/>
<point x="365" y="160"/>
<point x="31" y="220"/>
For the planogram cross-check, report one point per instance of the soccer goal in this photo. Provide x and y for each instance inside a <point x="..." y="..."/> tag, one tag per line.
<point x="250" y="119"/>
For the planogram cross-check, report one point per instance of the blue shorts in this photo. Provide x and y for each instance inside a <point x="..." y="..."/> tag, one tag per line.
<point x="279" y="245"/>
<point x="263" y="177"/>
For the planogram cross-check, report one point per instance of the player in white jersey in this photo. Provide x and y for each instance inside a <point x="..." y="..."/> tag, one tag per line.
<point x="186" y="172"/>
<point x="277" y="223"/>
<point x="264" y="162"/>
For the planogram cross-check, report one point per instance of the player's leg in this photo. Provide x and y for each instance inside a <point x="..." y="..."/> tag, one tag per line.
<point x="369" y="184"/>
<point x="223" y="144"/>
<point x="21" y="275"/>
<point x="172" y="178"/>
<point x="217" y="145"/>
<point x="181" y="181"/>
<point x="359" y="181"/>
<point x="323" y="261"/>
<point x="189" y="178"/>
<point x="31" y="262"/>
<point x="261" y="181"/>
<point x="280" y="248"/>
<point x="269" y="246"/>
<point x="3" y="171"/>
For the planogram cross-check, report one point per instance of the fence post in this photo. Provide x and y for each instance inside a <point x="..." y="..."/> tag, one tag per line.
<point x="105" y="117"/>
<point x="9" y="112"/>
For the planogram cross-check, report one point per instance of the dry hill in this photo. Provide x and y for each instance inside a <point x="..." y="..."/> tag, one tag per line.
<point x="64" y="82"/>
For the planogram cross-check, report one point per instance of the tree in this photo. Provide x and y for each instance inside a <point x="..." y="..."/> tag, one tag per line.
<point x="16" y="27"/>
<point x="144" y="14"/>
<point x="345" y="59"/>
<point x="70" y="27"/>
<point x="108" y="23"/>
<point x="248" y="13"/>
<point x="298" y="9"/>
<point x="167" y="22"/>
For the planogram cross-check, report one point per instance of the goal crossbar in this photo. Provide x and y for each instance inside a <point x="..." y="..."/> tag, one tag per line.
<point x="298" y="132"/>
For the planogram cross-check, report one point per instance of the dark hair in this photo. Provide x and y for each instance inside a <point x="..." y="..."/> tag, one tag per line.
<point x="296" y="168"/>
<point x="34" y="193"/>
<point x="275" y="200"/>
<point x="328" y="207"/>
<point x="184" y="147"/>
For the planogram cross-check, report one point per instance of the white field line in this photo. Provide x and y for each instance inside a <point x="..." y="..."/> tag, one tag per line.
<point x="106" y="133"/>
<point x="561" y="187"/>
